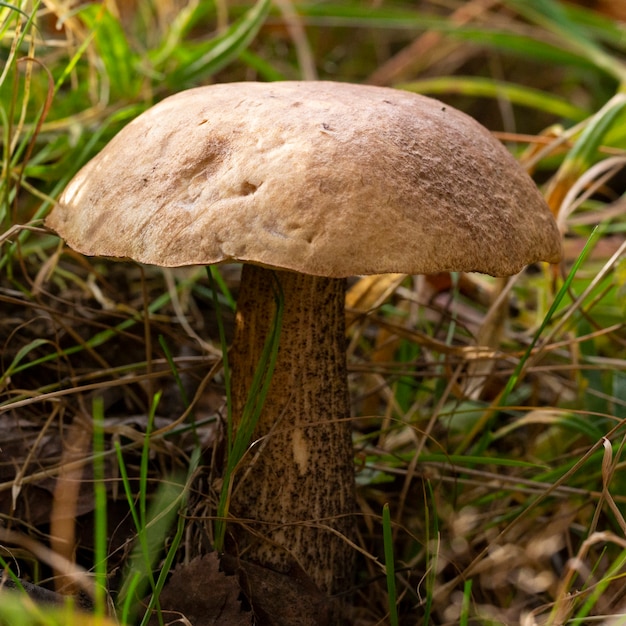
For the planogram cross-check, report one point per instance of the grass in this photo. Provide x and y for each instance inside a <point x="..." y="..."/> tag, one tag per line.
<point x="488" y="414"/>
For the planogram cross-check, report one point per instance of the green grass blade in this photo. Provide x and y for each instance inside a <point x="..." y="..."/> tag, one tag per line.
<point x="466" y="603"/>
<point x="19" y="357"/>
<point x="482" y="426"/>
<point x="175" y="542"/>
<point x="145" y="457"/>
<point x="164" y="509"/>
<point x="144" y="552"/>
<point x="180" y="385"/>
<point x="119" y="59"/>
<point x="261" y="380"/>
<point x="431" y="527"/>
<point x="212" y="273"/>
<point x="615" y="572"/>
<point x="563" y="291"/>
<point x="600" y="27"/>
<point x="131" y="584"/>
<point x="96" y="340"/>
<point x="362" y="15"/>
<point x="206" y="59"/>
<point x="135" y="578"/>
<point x="71" y="66"/>
<point x="170" y="361"/>
<point x="264" y="68"/>
<point x="128" y="492"/>
<point x="100" y="497"/>
<point x="8" y="572"/>
<point x="585" y="149"/>
<point x="218" y="280"/>
<point x="174" y="37"/>
<point x="12" y="7"/>
<point x="487" y="87"/>
<point x="251" y="414"/>
<point x="552" y="16"/>
<point x="390" y="566"/>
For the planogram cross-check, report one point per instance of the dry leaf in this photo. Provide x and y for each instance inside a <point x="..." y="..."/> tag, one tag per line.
<point x="203" y="595"/>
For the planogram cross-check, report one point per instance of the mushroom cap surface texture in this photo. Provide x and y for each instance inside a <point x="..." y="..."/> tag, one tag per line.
<point x="323" y="178"/>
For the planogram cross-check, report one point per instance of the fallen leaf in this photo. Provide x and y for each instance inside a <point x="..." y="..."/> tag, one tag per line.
<point x="203" y="595"/>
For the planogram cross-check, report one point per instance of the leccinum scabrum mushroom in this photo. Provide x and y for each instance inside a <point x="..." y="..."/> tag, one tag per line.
<point x="318" y="181"/>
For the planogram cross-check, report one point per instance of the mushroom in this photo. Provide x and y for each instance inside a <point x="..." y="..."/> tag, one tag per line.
<point x="305" y="183"/>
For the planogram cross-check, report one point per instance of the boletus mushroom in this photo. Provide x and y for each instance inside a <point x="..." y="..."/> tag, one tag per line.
<point x="307" y="183"/>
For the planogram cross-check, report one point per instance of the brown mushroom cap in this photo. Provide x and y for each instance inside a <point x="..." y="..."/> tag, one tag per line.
<point x="323" y="178"/>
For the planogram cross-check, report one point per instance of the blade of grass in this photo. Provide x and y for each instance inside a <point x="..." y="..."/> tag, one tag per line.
<point x="212" y="273"/>
<point x="145" y="457"/>
<point x="144" y="550"/>
<point x="175" y="373"/>
<point x="552" y="16"/>
<point x="167" y="504"/>
<point x="389" y="566"/>
<point x="615" y="572"/>
<point x="584" y="152"/>
<point x="100" y="512"/>
<point x="218" y="280"/>
<point x="208" y="58"/>
<point x="238" y="444"/>
<point x="132" y="583"/>
<point x="361" y="15"/>
<point x="119" y="59"/>
<point x="563" y="291"/>
<point x="263" y="67"/>
<point x="601" y="28"/>
<point x="181" y="387"/>
<point x="431" y="526"/>
<point x="98" y="339"/>
<point x="466" y="603"/>
<point x="12" y="7"/>
<point x="261" y="381"/>
<point x="6" y="570"/>
<point x="491" y="88"/>
<point x="19" y="357"/>
<point x="175" y="542"/>
<point x="21" y="30"/>
<point x="483" y="424"/>
<point x="128" y="492"/>
<point x="525" y="46"/>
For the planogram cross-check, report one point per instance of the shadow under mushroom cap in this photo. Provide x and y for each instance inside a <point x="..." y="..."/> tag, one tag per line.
<point x="323" y="178"/>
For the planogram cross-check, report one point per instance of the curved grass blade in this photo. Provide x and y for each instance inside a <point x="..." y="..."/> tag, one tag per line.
<point x="490" y="88"/>
<point x="482" y="425"/>
<point x="12" y="7"/>
<point x="19" y="357"/>
<point x="208" y="58"/>
<point x="551" y="15"/>
<point x="239" y="442"/>
<point x="585" y="150"/>
<point x="172" y="551"/>
<point x="119" y="59"/>
<point x="563" y="291"/>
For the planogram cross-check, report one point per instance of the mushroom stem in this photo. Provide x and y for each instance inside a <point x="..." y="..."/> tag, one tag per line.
<point x="294" y="489"/>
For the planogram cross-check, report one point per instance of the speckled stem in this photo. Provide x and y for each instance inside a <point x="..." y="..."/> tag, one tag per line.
<point x="303" y="478"/>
